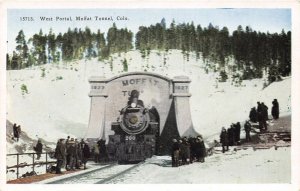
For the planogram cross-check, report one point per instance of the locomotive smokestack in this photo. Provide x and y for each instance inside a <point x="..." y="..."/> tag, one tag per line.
<point x="134" y="96"/>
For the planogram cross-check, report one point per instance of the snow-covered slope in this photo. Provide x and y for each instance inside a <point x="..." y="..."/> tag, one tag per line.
<point x="57" y="102"/>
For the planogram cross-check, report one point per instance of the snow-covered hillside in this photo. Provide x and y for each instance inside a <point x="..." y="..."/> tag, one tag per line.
<point x="51" y="101"/>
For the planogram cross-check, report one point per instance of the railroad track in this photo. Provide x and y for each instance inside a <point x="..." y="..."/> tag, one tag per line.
<point x="119" y="174"/>
<point x="98" y="176"/>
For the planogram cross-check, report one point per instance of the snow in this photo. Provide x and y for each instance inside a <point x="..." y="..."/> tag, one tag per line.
<point x="232" y="167"/>
<point x="59" y="101"/>
<point x="58" y="105"/>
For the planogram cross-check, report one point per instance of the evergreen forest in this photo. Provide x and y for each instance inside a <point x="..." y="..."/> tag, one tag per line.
<point x="252" y="52"/>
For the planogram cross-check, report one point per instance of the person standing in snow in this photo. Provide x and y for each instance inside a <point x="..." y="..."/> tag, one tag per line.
<point x="78" y="155"/>
<point x="67" y="155"/>
<point x="192" y="142"/>
<point x="181" y="152"/>
<point x="96" y="153"/>
<point x="231" y="135"/>
<point x="200" y="149"/>
<point x="275" y="109"/>
<point x="237" y="132"/>
<point x="60" y="152"/>
<point x="224" y="139"/>
<point x="247" y="127"/>
<point x="18" y="132"/>
<point x="15" y="132"/>
<point x="253" y="115"/>
<point x="188" y="150"/>
<point x="85" y="154"/>
<point x="71" y="151"/>
<point x="102" y="150"/>
<point x="264" y="116"/>
<point x="38" y="149"/>
<point x="185" y="151"/>
<point x="175" y="153"/>
<point x="260" y="116"/>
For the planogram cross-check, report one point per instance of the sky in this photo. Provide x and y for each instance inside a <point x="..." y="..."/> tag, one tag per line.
<point x="272" y="20"/>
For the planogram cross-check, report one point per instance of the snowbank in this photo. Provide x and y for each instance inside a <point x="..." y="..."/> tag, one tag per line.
<point x="57" y="102"/>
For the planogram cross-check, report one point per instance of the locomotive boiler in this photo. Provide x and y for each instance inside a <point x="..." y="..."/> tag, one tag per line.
<point x="136" y="132"/>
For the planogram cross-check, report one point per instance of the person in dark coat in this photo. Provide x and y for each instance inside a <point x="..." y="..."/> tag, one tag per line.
<point x="260" y="117"/>
<point x="85" y="154"/>
<point x="175" y="153"/>
<point x="82" y="143"/>
<point x="38" y="149"/>
<point x="224" y="139"/>
<point x="193" y="149"/>
<point x="71" y="151"/>
<point x="60" y="152"/>
<point x="183" y="152"/>
<point x="247" y="127"/>
<point x="237" y="132"/>
<point x="259" y="111"/>
<point x="67" y="144"/>
<point x="15" y="131"/>
<point x="19" y="131"/>
<point x="188" y="150"/>
<point x="231" y="135"/>
<point x="253" y="115"/>
<point x="102" y="150"/>
<point x="200" y="149"/>
<point x="264" y="116"/>
<point x="265" y="111"/>
<point x="275" y="109"/>
<point x="78" y="157"/>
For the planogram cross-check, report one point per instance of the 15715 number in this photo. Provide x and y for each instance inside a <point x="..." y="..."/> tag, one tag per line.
<point x="26" y="19"/>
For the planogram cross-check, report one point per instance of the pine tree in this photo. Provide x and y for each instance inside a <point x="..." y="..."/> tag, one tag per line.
<point x="100" y="44"/>
<point x="39" y="43"/>
<point x="8" y="62"/>
<point x="125" y="65"/>
<point x="22" y="49"/>
<point x="15" y="61"/>
<point x="51" y="46"/>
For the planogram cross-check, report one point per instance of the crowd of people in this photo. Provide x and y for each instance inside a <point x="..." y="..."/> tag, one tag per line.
<point x="71" y="153"/>
<point x="231" y="136"/>
<point x="260" y="114"/>
<point x="188" y="150"/>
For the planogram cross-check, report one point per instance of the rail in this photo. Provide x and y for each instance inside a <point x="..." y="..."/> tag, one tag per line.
<point x="33" y="164"/>
<point x="118" y="174"/>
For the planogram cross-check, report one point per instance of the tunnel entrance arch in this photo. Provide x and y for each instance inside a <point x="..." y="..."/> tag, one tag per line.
<point x="169" y="97"/>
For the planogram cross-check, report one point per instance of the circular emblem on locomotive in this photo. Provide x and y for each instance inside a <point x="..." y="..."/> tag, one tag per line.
<point x="134" y="117"/>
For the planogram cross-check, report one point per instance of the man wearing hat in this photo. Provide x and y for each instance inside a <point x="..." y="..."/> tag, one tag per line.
<point x="201" y="149"/>
<point x="38" y="149"/>
<point x="60" y="155"/>
<point x="71" y="151"/>
<point x="175" y="153"/>
<point x="224" y="139"/>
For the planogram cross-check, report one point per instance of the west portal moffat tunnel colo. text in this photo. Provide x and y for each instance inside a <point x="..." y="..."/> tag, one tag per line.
<point x="84" y="18"/>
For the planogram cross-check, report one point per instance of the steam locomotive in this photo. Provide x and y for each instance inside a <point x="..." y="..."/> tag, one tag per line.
<point x="136" y="132"/>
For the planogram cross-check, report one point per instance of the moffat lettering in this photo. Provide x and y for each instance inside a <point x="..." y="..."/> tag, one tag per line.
<point x="140" y="81"/>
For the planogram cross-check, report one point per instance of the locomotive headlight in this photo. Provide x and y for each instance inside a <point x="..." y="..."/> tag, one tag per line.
<point x="133" y="119"/>
<point x="133" y="105"/>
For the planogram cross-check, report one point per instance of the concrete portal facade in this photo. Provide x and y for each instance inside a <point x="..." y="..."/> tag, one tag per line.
<point x="170" y="97"/>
